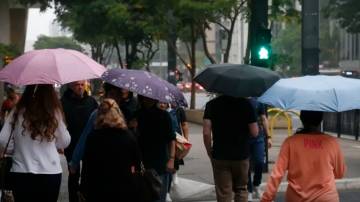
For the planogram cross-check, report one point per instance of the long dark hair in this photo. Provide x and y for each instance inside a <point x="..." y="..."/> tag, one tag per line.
<point x="311" y="121"/>
<point x="39" y="105"/>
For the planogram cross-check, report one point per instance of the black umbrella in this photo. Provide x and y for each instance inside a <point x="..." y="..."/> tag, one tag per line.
<point x="238" y="80"/>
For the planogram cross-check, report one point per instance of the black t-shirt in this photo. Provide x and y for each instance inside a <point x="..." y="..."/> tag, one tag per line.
<point x="260" y="110"/>
<point x="180" y="114"/>
<point x="155" y="133"/>
<point x="229" y="119"/>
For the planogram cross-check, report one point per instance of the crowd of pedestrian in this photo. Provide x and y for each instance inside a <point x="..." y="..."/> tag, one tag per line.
<point x="107" y="141"/>
<point x="104" y="144"/>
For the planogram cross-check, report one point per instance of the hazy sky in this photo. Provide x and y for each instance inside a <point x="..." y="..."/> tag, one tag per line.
<point x="38" y="23"/>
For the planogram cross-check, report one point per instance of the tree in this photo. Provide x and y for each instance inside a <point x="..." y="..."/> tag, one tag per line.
<point x="190" y="16"/>
<point x="287" y="49"/>
<point x="113" y="23"/>
<point x="329" y="39"/>
<point x="43" y="42"/>
<point x="346" y="12"/>
<point x="225" y="14"/>
<point x="9" y="50"/>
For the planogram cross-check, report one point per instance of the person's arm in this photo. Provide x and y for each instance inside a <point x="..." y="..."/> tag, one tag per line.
<point x="80" y="146"/>
<point x="183" y="122"/>
<point x="63" y="137"/>
<point x="170" y="163"/>
<point x="185" y="129"/>
<point x="265" y="126"/>
<point x="277" y="173"/>
<point x="250" y="113"/>
<point x="254" y="129"/>
<point x="339" y="164"/>
<point x="207" y="136"/>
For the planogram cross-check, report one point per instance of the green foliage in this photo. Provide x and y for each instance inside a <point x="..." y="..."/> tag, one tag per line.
<point x="43" y="42"/>
<point x="287" y="49"/>
<point x="284" y="11"/>
<point x="9" y="50"/>
<point x="111" y="22"/>
<point x="329" y="41"/>
<point x="346" y="12"/>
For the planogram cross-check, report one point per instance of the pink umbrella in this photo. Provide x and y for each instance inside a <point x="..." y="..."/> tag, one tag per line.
<point x="50" y="66"/>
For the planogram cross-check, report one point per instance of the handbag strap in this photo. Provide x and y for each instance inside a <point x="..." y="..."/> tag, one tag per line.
<point x="8" y="142"/>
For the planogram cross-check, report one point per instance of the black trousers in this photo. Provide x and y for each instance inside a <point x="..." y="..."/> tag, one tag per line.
<point x="74" y="185"/>
<point x="28" y="187"/>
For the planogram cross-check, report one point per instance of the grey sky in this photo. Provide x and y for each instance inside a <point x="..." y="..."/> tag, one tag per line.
<point x="38" y="23"/>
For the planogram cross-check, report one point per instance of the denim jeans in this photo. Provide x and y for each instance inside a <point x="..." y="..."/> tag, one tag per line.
<point x="257" y="156"/>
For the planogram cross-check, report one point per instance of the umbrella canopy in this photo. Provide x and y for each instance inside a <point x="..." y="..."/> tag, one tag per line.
<point x="141" y="82"/>
<point x="50" y="66"/>
<point x="179" y="97"/>
<point x="315" y="93"/>
<point x="238" y="80"/>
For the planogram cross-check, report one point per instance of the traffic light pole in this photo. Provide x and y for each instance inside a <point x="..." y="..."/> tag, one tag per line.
<point x="310" y="37"/>
<point x="259" y="23"/>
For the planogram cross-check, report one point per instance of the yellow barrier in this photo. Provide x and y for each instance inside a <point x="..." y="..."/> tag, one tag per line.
<point x="285" y="113"/>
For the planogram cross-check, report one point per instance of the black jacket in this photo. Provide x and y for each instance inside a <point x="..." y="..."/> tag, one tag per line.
<point x="77" y="112"/>
<point x="109" y="155"/>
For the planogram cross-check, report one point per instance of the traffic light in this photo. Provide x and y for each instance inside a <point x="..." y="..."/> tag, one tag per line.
<point x="7" y="60"/>
<point x="261" y="49"/>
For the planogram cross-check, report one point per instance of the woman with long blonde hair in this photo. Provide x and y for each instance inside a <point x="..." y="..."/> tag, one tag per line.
<point x="110" y="157"/>
<point x="36" y="131"/>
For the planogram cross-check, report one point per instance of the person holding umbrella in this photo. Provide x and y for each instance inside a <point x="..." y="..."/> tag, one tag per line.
<point x="156" y="140"/>
<point x="36" y="130"/>
<point x="228" y="124"/>
<point x="301" y="154"/>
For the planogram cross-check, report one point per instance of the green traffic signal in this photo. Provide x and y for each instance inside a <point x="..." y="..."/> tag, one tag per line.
<point x="263" y="53"/>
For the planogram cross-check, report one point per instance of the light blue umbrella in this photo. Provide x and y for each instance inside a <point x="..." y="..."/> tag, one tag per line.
<point x="315" y="93"/>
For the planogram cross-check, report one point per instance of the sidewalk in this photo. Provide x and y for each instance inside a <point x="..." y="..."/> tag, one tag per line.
<point x="196" y="179"/>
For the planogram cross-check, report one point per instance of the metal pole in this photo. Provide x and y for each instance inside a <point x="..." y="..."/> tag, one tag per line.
<point x="338" y="124"/>
<point x="310" y="37"/>
<point x="356" y="124"/>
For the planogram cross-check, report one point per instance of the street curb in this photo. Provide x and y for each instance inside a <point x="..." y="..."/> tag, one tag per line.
<point x="341" y="184"/>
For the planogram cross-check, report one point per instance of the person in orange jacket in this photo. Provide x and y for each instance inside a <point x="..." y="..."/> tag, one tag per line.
<point x="313" y="160"/>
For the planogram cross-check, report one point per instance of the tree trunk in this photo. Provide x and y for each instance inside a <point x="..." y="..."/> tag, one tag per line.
<point x="126" y="54"/>
<point x="248" y="46"/>
<point x="206" y="49"/>
<point x="229" y="41"/>
<point x="193" y="67"/>
<point x="118" y="54"/>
